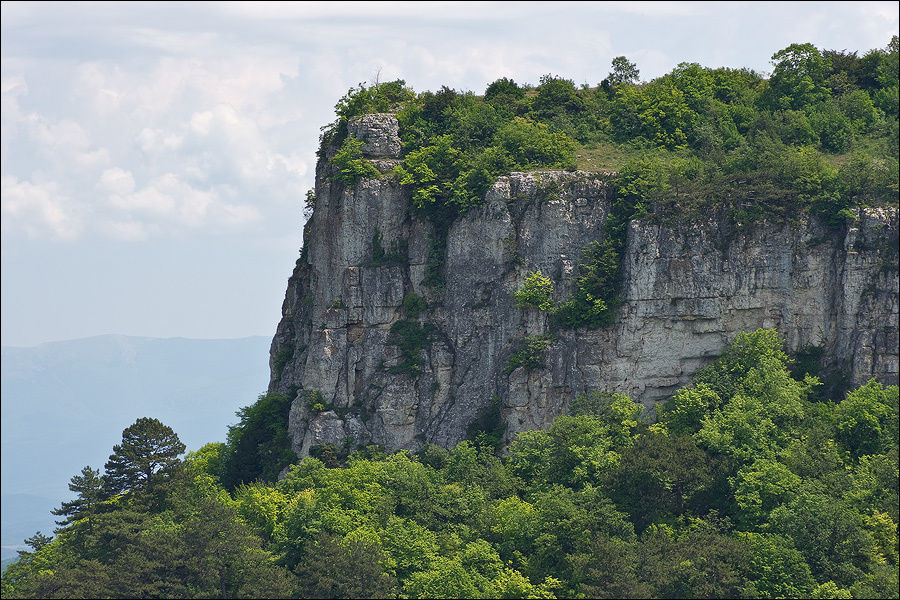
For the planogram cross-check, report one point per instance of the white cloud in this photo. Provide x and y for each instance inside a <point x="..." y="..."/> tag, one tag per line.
<point x="116" y="181"/>
<point x="169" y="203"/>
<point x="38" y="209"/>
<point x="656" y="9"/>
<point x="155" y="141"/>
<point x="206" y="116"/>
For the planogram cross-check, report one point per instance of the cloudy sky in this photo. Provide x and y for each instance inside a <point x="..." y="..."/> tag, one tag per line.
<point x="155" y="156"/>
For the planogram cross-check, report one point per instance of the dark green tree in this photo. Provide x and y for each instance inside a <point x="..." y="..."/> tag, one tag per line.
<point x="623" y="71"/>
<point x="89" y="486"/>
<point x="258" y="446"/>
<point x="36" y="542"/>
<point x="148" y="448"/>
<point x="332" y="570"/>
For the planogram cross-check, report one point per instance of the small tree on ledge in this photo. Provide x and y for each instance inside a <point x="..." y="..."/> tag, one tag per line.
<point x="537" y="291"/>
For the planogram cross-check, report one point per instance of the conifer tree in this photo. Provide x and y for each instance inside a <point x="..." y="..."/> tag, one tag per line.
<point x="89" y="486"/>
<point x="148" y="447"/>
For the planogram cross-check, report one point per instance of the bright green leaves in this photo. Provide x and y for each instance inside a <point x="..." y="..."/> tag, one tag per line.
<point x="442" y="174"/>
<point x="761" y="487"/>
<point x="376" y="98"/>
<point x="684" y="412"/>
<point x="659" y="113"/>
<point x="349" y="164"/>
<point x="431" y="171"/>
<point x="532" y="145"/>
<point x="726" y="374"/>
<point x="867" y="419"/>
<point x="575" y="451"/>
<point x="777" y="568"/>
<point x="741" y="490"/>
<point x="799" y="76"/>
<point x="537" y="292"/>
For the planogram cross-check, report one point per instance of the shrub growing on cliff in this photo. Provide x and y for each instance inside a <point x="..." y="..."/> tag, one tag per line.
<point x="537" y="291"/>
<point x="377" y="98"/>
<point x="411" y="338"/>
<point x="596" y="295"/>
<point x="530" y="353"/>
<point x="349" y="164"/>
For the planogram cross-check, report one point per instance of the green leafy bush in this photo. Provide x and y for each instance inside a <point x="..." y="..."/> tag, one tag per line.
<point x="532" y="145"/>
<point x="530" y="353"/>
<point x="411" y="338"/>
<point x="413" y="305"/>
<point x="258" y="446"/>
<point x="350" y="166"/>
<point x="537" y="291"/>
<point x="597" y="283"/>
<point x="315" y="401"/>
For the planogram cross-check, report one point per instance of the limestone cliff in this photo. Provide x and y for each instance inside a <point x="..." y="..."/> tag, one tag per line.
<point x="689" y="289"/>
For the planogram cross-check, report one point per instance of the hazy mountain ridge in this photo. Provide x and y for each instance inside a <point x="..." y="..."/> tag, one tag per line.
<point x="66" y="403"/>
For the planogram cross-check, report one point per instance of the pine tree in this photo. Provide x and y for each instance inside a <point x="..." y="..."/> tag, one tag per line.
<point x="148" y="448"/>
<point x="90" y="489"/>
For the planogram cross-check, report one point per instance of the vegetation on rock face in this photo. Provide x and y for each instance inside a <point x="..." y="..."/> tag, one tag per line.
<point x="411" y="338"/>
<point x="537" y="291"/>
<point x="530" y="353"/>
<point x="350" y="166"/>
<point x="747" y="486"/>
<point x="258" y="446"/>
<point x="820" y="137"/>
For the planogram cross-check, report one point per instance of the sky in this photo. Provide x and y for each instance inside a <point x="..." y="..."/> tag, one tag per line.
<point x="155" y="156"/>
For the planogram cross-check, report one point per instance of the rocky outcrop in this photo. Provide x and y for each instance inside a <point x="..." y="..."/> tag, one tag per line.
<point x="689" y="289"/>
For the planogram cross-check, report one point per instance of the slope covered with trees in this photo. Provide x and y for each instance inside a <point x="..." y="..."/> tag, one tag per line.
<point x="748" y="485"/>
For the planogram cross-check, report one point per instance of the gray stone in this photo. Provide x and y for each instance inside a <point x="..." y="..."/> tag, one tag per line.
<point x="689" y="289"/>
<point x="379" y="133"/>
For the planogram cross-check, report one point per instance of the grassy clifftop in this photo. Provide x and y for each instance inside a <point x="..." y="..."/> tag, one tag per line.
<point x="820" y="134"/>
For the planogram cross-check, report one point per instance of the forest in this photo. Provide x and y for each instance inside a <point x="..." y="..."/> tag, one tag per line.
<point x="748" y="484"/>
<point x="755" y="480"/>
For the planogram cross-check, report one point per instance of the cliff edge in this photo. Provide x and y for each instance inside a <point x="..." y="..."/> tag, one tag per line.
<point x="371" y="354"/>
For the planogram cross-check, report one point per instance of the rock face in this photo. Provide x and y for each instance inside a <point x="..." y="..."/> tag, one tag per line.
<point x="689" y="289"/>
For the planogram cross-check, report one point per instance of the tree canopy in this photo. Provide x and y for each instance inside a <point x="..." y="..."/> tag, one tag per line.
<point x="148" y="449"/>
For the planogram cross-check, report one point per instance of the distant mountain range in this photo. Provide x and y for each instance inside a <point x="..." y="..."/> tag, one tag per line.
<point x="64" y="405"/>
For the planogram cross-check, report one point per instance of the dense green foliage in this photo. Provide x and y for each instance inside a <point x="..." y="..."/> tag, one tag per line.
<point x="258" y="447"/>
<point x="820" y="136"/>
<point x="350" y="166"/>
<point x="148" y="449"/>
<point x="745" y="487"/>
<point x="537" y="291"/>
<point x="410" y="338"/>
<point x="820" y="113"/>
